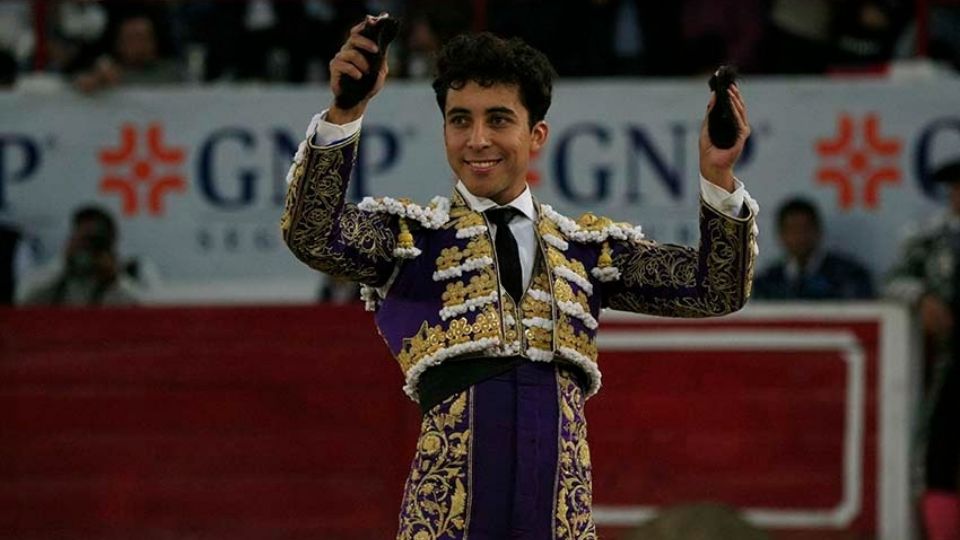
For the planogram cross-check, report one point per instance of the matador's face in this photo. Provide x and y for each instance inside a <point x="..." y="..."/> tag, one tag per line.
<point x="489" y="140"/>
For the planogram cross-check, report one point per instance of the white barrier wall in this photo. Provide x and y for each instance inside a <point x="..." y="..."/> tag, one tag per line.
<point x="196" y="175"/>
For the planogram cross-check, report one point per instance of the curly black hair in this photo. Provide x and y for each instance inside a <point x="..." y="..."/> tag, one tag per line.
<point x="487" y="60"/>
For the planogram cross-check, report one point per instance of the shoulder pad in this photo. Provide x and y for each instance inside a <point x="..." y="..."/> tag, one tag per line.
<point x="590" y="228"/>
<point x="432" y="216"/>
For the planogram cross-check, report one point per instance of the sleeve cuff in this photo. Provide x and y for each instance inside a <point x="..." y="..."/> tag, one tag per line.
<point x="719" y="198"/>
<point x="322" y="133"/>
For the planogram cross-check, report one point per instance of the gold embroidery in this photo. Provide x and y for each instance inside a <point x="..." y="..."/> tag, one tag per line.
<point x="557" y="258"/>
<point x="588" y="221"/>
<point x="430" y="342"/>
<point x="436" y="498"/>
<point x="564" y="293"/>
<point x="569" y="337"/>
<point x="682" y="282"/>
<point x="454" y="256"/>
<point x="328" y="234"/>
<point x="573" y="514"/>
<point x="457" y="293"/>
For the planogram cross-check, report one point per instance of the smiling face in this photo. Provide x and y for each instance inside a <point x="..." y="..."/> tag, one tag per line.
<point x="489" y="140"/>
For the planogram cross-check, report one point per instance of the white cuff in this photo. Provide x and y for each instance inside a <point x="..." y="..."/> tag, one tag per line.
<point x="327" y="134"/>
<point x="719" y="198"/>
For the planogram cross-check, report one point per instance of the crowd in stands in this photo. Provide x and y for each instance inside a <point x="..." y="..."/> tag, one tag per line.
<point x="98" y="43"/>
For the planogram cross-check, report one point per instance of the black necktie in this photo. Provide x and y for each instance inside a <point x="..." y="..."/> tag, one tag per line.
<point x="508" y="257"/>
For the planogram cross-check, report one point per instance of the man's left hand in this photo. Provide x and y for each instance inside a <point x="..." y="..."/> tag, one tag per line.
<point x="716" y="164"/>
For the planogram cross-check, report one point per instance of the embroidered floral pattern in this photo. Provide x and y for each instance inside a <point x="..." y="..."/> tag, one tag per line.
<point x="574" y="516"/>
<point x="436" y="498"/>
<point x="684" y="282"/>
<point x="325" y="232"/>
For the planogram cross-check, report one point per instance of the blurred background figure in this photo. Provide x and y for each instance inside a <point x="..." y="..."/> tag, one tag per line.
<point x="135" y="51"/>
<point x="91" y="274"/>
<point x="807" y="270"/>
<point x="928" y="276"/>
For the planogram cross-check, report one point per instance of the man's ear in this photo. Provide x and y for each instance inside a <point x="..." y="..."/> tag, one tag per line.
<point x="539" y="135"/>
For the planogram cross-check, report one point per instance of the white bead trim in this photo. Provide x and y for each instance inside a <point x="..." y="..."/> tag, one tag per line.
<point x="584" y="363"/>
<point x="430" y="217"/>
<point x="569" y="227"/>
<point x="413" y="375"/>
<point x="556" y="241"/>
<point x="538" y="322"/>
<point x="509" y="320"/>
<point x="467" y="266"/>
<point x="610" y="273"/>
<point x="470" y="305"/>
<point x="470" y="232"/>
<point x="406" y="253"/>
<point x="539" y="355"/>
<point x="574" y="309"/>
<point x="540" y="296"/>
<point x="574" y="277"/>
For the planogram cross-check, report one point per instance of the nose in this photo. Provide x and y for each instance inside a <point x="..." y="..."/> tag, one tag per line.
<point x="478" y="137"/>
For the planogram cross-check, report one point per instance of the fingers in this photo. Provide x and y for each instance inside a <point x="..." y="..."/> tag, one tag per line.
<point x="739" y="110"/>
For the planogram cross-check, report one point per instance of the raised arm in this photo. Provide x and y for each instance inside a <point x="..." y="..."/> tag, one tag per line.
<point x="318" y="225"/>
<point x="716" y="278"/>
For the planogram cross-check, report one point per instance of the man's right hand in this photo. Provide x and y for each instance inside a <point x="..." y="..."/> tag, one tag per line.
<point x="936" y="317"/>
<point x="349" y="62"/>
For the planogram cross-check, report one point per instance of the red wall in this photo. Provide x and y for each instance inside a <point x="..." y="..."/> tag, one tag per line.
<point x="290" y="423"/>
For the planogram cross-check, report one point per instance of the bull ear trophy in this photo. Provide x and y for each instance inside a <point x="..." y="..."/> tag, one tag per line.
<point x="721" y="122"/>
<point x="382" y="30"/>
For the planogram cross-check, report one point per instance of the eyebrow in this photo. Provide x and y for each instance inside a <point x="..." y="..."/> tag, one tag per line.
<point x="491" y="110"/>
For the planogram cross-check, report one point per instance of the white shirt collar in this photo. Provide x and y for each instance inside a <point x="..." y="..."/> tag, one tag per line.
<point x="523" y="202"/>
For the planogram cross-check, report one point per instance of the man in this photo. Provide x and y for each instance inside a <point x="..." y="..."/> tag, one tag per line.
<point x="928" y="276"/>
<point x="808" y="271"/>
<point x="91" y="274"/>
<point x="489" y="300"/>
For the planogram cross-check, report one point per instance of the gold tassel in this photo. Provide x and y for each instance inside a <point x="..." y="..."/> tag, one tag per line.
<point x="606" y="259"/>
<point x="404" y="239"/>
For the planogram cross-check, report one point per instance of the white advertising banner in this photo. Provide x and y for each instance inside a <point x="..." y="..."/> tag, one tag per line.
<point x="196" y="176"/>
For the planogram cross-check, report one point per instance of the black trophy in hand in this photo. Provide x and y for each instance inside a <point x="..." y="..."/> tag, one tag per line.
<point x="721" y="122"/>
<point x="381" y="30"/>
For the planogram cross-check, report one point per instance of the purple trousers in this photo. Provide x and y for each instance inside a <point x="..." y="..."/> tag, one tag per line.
<point x="505" y="459"/>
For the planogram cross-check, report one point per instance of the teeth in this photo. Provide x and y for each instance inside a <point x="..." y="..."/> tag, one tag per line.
<point x="482" y="164"/>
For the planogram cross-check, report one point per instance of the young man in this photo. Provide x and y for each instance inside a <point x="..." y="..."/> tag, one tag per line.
<point x="489" y="301"/>
<point x="807" y="270"/>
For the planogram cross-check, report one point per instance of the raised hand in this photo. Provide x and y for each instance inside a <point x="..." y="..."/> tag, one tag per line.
<point x="716" y="164"/>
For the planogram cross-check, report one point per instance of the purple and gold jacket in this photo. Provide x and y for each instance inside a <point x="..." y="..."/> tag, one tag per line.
<point x="430" y="272"/>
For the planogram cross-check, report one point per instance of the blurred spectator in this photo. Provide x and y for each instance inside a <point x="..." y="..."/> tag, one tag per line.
<point x="426" y="25"/>
<point x="799" y="36"/>
<point x="809" y="272"/>
<point x="137" y="55"/>
<point x="928" y="276"/>
<point x="945" y="31"/>
<point x="77" y="28"/>
<point x="91" y="274"/>
<point x="866" y="31"/>
<point x="16" y="30"/>
<point x="722" y="32"/>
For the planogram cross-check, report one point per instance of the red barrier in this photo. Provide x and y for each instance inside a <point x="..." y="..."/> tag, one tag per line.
<point x="290" y="423"/>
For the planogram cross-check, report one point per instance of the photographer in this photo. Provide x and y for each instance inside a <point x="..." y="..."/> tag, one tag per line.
<point x="90" y="276"/>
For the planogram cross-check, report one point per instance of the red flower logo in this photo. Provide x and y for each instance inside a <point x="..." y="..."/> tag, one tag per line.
<point x="871" y="162"/>
<point x="142" y="178"/>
